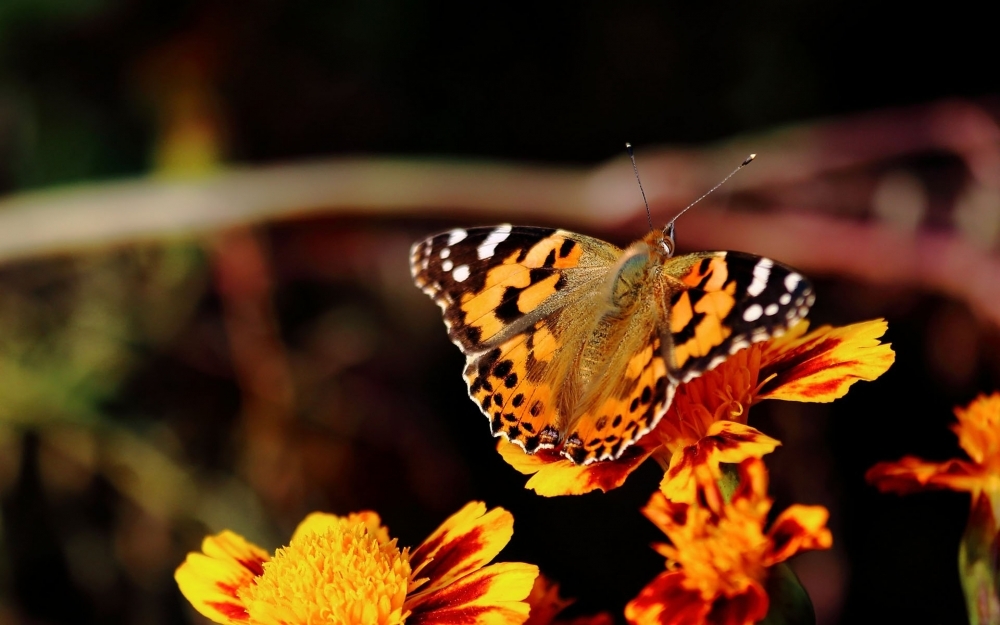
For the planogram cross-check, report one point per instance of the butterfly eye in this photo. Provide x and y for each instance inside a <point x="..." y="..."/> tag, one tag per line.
<point x="667" y="245"/>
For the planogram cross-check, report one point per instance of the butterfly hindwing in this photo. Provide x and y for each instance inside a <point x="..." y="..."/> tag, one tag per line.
<point x="730" y="300"/>
<point x="641" y="395"/>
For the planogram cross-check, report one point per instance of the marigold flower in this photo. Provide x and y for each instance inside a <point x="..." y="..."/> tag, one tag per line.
<point x="719" y="555"/>
<point x="978" y="431"/>
<point x="346" y="570"/>
<point x="708" y="415"/>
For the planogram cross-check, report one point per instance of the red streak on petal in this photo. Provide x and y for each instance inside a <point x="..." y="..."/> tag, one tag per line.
<point x="229" y="610"/>
<point x="229" y="589"/>
<point x="451" y="555"/>
<point x="457" y="594"/>
<point x="800" y="362"/>
<point x="255" y="566"/>
<point x="459" y="616"/>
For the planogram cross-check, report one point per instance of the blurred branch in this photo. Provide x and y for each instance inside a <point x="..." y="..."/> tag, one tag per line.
<point x="811" y="173"/>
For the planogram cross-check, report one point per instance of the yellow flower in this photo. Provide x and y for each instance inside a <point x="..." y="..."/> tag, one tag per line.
<point x="978" y="431"/>
<point x="708" y="415"/>
<point x="346" y="570"/>
<point x="719" y="554"/>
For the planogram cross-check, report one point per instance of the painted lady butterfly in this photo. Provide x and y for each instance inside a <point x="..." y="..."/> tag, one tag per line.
<point x="573" y="343"/>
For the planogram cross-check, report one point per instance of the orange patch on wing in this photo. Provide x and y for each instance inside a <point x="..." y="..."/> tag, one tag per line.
<point x="681" y="313"/>
<point x="531" y="297"/>
<point x="709" y="332"/>
<point x="717" y="271"/>
<point x="544" y="343"/>
<point x="539" y="253"/>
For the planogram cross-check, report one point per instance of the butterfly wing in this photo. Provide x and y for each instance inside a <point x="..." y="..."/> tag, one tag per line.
<point x="728" y="301"/>
<point x="504" y="292"/>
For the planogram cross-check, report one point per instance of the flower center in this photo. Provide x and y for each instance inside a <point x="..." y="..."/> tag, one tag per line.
<point x="342" y="574"/>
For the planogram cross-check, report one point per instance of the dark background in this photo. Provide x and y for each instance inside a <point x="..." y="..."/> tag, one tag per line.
<point x="127" y="431"/>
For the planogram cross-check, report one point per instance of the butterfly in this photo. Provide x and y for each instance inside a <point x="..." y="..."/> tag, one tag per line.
<point x="576" y="344"/>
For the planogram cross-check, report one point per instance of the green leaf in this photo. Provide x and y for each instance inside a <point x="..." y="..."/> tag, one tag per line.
<point x="790" y="603"/>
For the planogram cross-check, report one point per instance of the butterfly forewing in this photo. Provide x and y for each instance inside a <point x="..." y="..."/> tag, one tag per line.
<point x="494" y="282"/>
<point x="731" y="300"/>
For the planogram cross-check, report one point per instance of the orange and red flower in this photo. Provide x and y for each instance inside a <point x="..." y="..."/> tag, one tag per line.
<point x="719" y="555"/>
<point x="978" y="431"/>
<point x="708" y="416"/>
<point x="347" y="570"/>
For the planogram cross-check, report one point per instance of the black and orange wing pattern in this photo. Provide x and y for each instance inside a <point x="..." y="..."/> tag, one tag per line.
<point x="729" y="300"/>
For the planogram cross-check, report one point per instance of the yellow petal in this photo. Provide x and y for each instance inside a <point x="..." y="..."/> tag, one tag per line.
<point x="553" y="475"/>
<point x="798" y="528"/>
<point x="978" y="430"/>
<point x="493" y="595"/>
<point x="822" y="365"/>
<point x="725" y="441"/>
<point x="213" y="579"/>
<point x="320" y="522"/>
<point x="464" y="543"/>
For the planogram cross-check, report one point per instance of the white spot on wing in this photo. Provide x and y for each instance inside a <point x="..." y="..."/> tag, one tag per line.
<point x="771" y="309"/>
<point x="761" y="272"/>
<point x="753" y="312"/>
<point x="445" y="252"/>
<point x="486" y="248"/>
<point x="461" y="273"/>
<point x="447" y="265"/>
<point x="785" y="299"/>
<point x="791" y="281"/>
<point x="456" y="235"/>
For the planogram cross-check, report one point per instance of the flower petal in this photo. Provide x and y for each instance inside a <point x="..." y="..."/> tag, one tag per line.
<point x="465" y="542"/>
<point x="798" y="528"/>
<point x="822" y="365"/>
<point x="545" y="602"/>
<point x="320" y="522"/>
<point x="978" y="429"/>
<point x="493" y="595"/>
<point x="212" y="580"/>
<point x="553" y="475"/>
<point x="912" y="474"/>
<point x="666" y="601"/>
<point x="725" y="441"/>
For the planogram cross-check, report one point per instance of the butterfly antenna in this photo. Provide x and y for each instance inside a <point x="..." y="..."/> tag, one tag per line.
<point x="631" y="155"/>
<point x="745" y="162"/>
